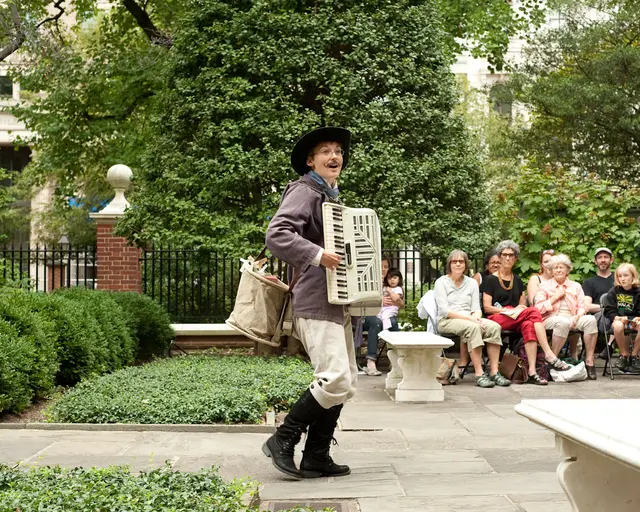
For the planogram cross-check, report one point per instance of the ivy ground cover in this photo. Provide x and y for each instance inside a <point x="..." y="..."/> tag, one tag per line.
<point x="115" y="489"/>
<point x="192" y="389"/>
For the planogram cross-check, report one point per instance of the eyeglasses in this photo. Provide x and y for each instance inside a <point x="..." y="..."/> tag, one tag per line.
<point x="508" y="254"/>
<point x="328" y="152"/>
<point x="457" y="262"/>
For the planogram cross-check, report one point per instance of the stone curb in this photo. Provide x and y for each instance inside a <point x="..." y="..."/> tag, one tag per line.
<point x="136" y="427"/>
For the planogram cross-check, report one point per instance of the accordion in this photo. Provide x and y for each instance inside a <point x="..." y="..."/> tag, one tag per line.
<point x="354" y="234"/>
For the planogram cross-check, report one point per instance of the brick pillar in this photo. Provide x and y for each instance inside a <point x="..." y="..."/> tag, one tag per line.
<point x="118" y="263"/>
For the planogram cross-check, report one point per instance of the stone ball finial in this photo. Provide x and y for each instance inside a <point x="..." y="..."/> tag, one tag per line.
<point x="119" y="176"/>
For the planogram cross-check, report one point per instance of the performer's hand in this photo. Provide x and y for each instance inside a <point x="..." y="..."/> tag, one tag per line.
<point x="330" y="260"/>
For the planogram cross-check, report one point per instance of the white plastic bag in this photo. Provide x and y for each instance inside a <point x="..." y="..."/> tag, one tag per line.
<point x="576" y="373"/>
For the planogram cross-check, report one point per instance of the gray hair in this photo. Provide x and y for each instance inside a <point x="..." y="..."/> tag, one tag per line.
<point x="508" y="244"/>
<point x="561" y="259"/>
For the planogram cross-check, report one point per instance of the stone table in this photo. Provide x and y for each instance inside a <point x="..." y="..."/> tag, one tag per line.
<point x="599" y="447"/>
<point x="415" y="361"/>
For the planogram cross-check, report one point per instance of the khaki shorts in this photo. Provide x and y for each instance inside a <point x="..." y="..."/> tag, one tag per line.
<point x="560" y="325"/>
<point x="470" y="332"/>
<point x="333" y="357"/>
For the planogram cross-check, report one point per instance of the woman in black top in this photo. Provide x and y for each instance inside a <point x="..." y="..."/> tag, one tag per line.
<point x="622" y="308"/>
<point x="504" y="302"/>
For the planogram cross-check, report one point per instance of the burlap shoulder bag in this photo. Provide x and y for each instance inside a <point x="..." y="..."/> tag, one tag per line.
<point x="262" y="311"/>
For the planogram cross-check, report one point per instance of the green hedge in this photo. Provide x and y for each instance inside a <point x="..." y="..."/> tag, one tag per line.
<point x="194" y="389"/>
<point x="148" y="323"/>
<point x="34" y="337"/>
<point x="115" y="338"/>
<point x="71" y="335"/>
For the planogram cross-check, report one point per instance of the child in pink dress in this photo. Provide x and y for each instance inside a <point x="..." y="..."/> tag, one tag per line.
<point x="393" y="289"/>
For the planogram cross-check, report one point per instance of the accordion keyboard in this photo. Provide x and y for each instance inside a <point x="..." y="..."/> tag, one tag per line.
<point x="354" y="234"/>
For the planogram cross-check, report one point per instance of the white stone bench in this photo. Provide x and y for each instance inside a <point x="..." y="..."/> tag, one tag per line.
<point x="599" y="447"/>
<point x="204" y="330"/>
<point x="415" y="361"/>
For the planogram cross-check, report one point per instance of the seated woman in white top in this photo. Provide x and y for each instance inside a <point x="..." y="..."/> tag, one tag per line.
<point x="458" y="301"/>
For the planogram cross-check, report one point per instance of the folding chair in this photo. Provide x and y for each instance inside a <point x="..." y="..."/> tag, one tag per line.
<point x="609" y="362"/>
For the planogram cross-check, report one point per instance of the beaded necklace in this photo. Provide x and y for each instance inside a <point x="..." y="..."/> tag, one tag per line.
<point x="502" y="282"/>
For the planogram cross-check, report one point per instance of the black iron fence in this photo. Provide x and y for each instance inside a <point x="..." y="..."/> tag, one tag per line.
<point x="195" y="286"/>
<point x="45" y="268"/>
<point x="200" y="286"/>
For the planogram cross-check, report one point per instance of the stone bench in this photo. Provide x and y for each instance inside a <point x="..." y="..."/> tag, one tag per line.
<point x="415" y="361"/>
<point x="599" y="449"/>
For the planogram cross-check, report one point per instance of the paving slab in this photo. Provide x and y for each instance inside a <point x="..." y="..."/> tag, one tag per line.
<point x="359" y="484"/>
<point x="521" y="461"/>
<point x="422" y="462"/>
<point x="449" y="504"/>
<point x="480" y="484"/>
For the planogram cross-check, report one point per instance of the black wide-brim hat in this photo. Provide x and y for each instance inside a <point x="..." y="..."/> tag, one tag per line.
<point x="310" y="140"/>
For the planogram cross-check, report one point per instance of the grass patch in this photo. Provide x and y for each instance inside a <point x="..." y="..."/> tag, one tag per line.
<point x="194" y="389"/>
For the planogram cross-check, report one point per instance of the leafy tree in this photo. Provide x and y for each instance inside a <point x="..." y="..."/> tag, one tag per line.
<point x="581" y="83"/>
<point x="245" y="81"/>
<point x="486" y="27"/>
<point x="101" y="78"/>
<point x="557" y="209"/>
<point x="493" y="135"/>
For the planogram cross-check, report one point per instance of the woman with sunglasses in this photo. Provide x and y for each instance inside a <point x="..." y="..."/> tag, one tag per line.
<point x="504" y="302"/>
<point x="458" y="304"/>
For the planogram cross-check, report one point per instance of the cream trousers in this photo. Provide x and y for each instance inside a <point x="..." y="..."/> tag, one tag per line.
<point x="559" y="324"/>
<point x="471" y="332"/>
<point x="330" y="348"/>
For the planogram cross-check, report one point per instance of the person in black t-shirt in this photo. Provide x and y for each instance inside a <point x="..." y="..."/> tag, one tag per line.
<point x="622" y="309"/>
<point x="504" y="302"/>
<point x="595" y="287"/>
<point x="491" y="265"/>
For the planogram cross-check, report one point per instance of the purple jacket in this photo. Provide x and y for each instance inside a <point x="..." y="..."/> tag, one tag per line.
<point x="295" y="235"/>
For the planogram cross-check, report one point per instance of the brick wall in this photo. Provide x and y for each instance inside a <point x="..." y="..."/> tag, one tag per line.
<point x="118" y="263"/>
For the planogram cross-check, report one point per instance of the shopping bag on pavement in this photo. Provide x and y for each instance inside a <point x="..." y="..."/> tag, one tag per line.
<point x="576" y="373"/>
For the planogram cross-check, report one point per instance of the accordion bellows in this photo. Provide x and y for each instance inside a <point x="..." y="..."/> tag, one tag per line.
<point x="354" y="234"/>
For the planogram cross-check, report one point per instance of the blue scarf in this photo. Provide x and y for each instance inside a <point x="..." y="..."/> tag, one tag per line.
<point x="331" y="192"/>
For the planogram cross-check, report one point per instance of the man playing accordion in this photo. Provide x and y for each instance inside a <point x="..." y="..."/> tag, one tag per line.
<point x="295" y="235"/>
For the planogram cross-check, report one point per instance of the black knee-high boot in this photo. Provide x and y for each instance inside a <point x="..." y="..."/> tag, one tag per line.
<point x="281" y="445"/>
<point x="316" y="458"/>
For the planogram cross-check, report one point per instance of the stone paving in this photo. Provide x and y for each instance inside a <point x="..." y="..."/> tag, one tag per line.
<point x="470" y="453"/>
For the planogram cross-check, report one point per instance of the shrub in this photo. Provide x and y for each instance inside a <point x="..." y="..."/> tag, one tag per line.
<point x="17" y="355"/>
<point x="80" y="344"/>
<point x="148" y="322"/>
<point x="76" y="490"/>
<point x="119" y="346"/>
<point x="195" y="389"/>
<point x="19" y="309"/>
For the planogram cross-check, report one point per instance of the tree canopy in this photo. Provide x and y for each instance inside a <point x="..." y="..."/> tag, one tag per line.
<point x="244" y="82"/>
<point x="98" y="92"/>
<point x="581" y="82"/>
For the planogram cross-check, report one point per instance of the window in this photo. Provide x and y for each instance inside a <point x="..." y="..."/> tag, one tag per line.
<point x="13" y="159"/>
<point x="501" y="99"/>
<point x="6" y="87"/>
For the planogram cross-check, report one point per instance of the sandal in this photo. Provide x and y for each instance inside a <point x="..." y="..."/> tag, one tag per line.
<point x="559" y="365"/>
<point x="484" y="381"/>
<point x="536" y="379"/>
<point x="372" y="372"/>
